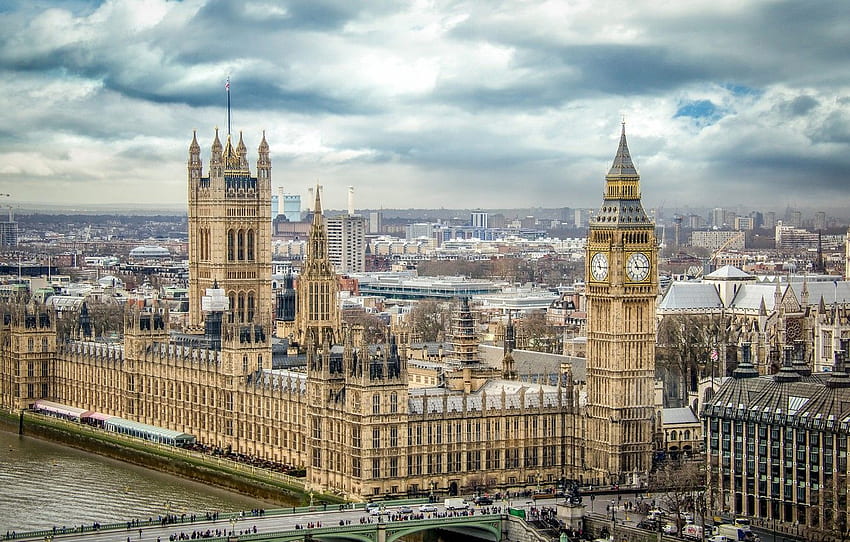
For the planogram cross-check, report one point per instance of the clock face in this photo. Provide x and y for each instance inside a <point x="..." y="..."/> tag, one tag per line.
<point x="599" y="266"/>
<point x="637" y="267"/>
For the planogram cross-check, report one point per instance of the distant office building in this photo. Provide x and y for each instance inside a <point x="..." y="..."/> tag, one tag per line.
<point x="769" y="220"/>
<point x="718" y="217"/>
<point x="497" y="220"/>
<point x="694" y="222"/>
<point x="419" y="229"/>
<point x="347" y="243"/>
<point x="714" y="239"/>
<point x="758" y="219"/>
<point x="478" y="219"/>
<point x="743" y="223"/>
<point x="376" y="219"/>
<point x="793" y="238"/>
<point x="796" y="219"/>
<point x="8" y="234"/>
<point x="820" y="221"/>
<point x="292" y="207"/>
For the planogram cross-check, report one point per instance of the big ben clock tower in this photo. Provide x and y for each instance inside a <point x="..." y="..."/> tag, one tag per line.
<point x="622" y="282"/>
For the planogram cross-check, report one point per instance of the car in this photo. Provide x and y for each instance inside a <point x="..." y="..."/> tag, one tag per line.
<point x="648" y="524"/>
<point x="670" y="528"/>
<point x="371" y="506"/>
<point x="482" y="500"/>
<point x="404" y="510"/>
<point x="427" y="508"/>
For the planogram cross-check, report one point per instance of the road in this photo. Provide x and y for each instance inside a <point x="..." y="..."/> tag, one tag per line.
<point x="270" y="521"/>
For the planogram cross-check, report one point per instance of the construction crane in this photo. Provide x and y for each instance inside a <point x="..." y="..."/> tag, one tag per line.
<point x="726" y="244"/>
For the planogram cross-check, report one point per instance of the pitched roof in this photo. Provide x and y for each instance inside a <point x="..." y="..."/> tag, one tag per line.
<point x="729" y="272"/>
<point x="690" y="295"/>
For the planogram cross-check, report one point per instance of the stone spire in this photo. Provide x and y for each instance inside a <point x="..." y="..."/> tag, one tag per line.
<point x="242" y="152"/>
<point x="621" y="207"/>
<point x="623" y="164"/>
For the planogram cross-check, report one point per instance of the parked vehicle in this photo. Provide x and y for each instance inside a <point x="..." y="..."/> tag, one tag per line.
<point x="456" y="504"/>
<point x="737" y="533"/>
<point x="692" y="532"/>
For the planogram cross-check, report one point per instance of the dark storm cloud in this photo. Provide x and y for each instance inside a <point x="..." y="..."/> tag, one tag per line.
<point x="472" y="98"/>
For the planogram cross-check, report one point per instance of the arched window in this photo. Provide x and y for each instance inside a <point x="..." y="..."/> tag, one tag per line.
<point x="672" y="435"/>
<point x="250" y="306"/>
<point x="250" y="242"/>
<point x="241" y="307"/>
<point x="231" y="242"/>
<point x="393" y="402"/>
<point x="244" y="363"/>
<point x="44" y="344"/>
<point x="240" y="245"/>
<point x="30" y="344"/>
<point x="232" y="305"/>
<point x="376" y="403"/>
<point x="687" y="435"/>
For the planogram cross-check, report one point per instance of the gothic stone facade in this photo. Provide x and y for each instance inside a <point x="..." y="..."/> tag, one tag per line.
<point x="351" y="418"/>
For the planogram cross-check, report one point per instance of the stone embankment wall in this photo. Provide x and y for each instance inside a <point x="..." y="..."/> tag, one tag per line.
<point x="215" y="471"/>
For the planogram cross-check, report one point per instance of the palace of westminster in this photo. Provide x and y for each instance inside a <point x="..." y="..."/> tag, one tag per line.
<point x="352" y="418"/>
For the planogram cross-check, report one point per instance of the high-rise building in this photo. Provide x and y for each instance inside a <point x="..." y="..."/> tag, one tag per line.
<point x="820" y="221"/>
<point x="478" y="219"/>
<point x="229" y="234"/>
<point x="9" y="233"/>
<point x="347" y="243"/>
<point x="718" y="217"/>
<point x="376" y="221"/>
<point x="622" y="283"/>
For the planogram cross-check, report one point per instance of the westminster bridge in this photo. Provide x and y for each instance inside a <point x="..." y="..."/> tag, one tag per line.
<point x="332" y="524"/>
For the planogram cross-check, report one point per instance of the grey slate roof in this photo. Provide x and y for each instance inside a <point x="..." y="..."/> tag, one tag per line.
<point x="517" y="395"/>
<point x="681" y="415"/>
<point x="729" y="272"/>
<point x="806" y="401"/>
<point x="690" y="295"/>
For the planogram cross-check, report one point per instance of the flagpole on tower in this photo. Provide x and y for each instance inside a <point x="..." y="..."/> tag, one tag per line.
<point x="227" y="88"/>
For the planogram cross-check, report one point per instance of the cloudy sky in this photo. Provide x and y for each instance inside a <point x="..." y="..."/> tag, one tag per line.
<point x="485" y="103"/>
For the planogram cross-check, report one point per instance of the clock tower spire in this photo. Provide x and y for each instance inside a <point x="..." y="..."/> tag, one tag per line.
<point x="622" y="284"/>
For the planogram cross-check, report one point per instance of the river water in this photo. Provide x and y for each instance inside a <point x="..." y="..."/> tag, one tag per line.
<point x="43" y="484"/>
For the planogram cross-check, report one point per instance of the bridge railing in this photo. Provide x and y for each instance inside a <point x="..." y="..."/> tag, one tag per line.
<point x="185" y="519"/>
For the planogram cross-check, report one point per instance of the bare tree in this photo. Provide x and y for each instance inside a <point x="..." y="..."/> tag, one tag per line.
<point x="374" y="328"/>
<point x="430" y="319"/>
<point x="685" y="343"/>
<point x="678" y="486"/>
<point x="535" y="333"/>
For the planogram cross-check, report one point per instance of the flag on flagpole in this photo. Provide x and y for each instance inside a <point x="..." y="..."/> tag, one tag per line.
<point x="227" y="85"/>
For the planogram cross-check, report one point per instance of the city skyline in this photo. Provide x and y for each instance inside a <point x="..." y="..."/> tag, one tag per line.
<point x="469" y="105"/>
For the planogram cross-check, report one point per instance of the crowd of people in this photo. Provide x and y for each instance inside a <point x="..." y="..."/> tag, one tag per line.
<point x="246" y="459"/>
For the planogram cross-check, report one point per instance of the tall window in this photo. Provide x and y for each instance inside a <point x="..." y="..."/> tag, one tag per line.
<point x="393" y="402"/>
<point x="231" y="242"/>
<point x="250" y="306"/>
<point x="250" y="245"/>
<point x="240" y="245"/>
<point x="376" y="404"/>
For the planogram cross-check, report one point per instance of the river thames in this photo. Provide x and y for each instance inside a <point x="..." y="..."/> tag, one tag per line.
<point x="43" y="484"/>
